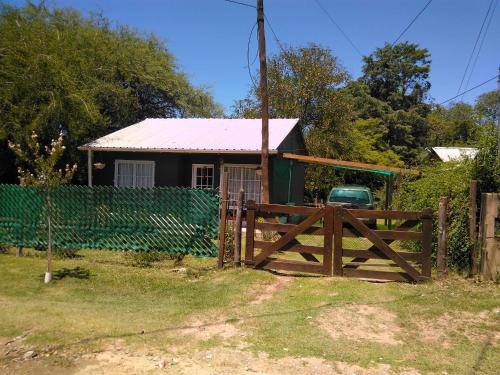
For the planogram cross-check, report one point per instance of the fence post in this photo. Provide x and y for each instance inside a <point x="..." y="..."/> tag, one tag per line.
<point x="222" y="224"/>
<point x="249" y="246"/>
<point x="337" y="240"/>
<point x="426" y="241"/>
<point x="442" y="258"/>
<point x="473" y="228"/>
<point x="237" y="229"/>
<point x="490" y="244"/>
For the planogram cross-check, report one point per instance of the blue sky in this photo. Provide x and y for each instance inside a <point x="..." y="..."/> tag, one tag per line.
<point x="209" y="37"/>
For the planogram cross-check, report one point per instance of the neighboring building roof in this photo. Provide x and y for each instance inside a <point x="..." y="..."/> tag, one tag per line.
<point x="194" y="135"/>
<point x="455" y="153"/>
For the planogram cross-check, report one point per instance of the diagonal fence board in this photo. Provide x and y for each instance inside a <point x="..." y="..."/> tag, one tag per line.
<point x="168" y="219"/>
<point x="289" y="236"/>
<point x="381" y="245"/>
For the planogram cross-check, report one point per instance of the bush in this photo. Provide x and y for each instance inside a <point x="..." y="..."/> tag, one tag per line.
<point x="229" y="244"/>
<point x="439" y="180"/>
<point x="66" y="253"/>
<point x="147" y="258"/>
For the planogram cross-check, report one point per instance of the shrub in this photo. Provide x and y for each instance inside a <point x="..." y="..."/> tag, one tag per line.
<point x="147" y="258"/>
<point x="439" y="180"/>
<point x="229" y="244"/>
<point x="66" y="253"/>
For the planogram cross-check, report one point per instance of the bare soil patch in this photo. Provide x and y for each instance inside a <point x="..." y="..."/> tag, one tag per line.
<point x="226" y="361"/>
<point x="361" y="323"/>
<point x="266" y="292"/>
<point x="464" y="323"/>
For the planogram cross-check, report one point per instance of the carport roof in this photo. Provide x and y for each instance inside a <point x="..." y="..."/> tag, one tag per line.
<point x="351" y="165"/>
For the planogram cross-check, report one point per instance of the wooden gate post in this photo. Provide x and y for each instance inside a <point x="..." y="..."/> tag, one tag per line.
<point x="442" y="257"/>
<point x="328" y="237"/>
<point x="249" y="247"/>
<point x="222" y="224"/>
<point x="474" y="253"/>
<point x="237" y="229"/>
<point x="490" y="244"/>
<point x="337" y="240"/>
<point x="426" y="242"/>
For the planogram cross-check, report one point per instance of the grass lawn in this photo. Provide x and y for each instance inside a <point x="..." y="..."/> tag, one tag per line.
<point x="102" y="311"/>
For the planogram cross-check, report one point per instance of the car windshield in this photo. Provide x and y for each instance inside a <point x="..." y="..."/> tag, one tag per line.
<point x="348" y="196"/>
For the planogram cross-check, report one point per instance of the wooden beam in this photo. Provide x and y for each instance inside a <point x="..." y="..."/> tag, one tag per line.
<point x="351" y="164"/>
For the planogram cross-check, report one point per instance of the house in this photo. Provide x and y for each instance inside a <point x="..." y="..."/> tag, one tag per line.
<point x="453" y="153"/>
<point x="193" y="152"/>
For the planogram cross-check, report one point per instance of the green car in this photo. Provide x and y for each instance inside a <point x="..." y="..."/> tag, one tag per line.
<point x="354" y="197"/>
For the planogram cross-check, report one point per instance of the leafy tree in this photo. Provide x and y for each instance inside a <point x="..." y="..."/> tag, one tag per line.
<point x="487" y="107"/>
<point x="452" y="126"/>
<point x="62" y="72"/>
<point x="398" y="74"/>
<point x="305" y="83"/>
<point x="41" y="170"/>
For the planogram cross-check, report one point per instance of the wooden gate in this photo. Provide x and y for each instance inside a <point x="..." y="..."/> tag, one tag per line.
<point x="338" y="225"/>
<point x="287" y="240"/>
<point x="413" y="266"/>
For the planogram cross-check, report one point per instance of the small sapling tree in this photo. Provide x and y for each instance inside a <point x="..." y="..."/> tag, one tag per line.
<point x="41" y="170"/>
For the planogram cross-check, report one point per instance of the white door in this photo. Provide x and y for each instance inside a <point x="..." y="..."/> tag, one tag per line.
<point x="246" y="177"/>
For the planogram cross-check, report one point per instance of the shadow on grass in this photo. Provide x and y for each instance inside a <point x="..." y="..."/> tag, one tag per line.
<point x="75" y="273"/>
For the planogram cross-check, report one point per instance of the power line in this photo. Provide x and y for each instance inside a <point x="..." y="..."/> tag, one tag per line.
<point x="248" y="55"/>
<point x="338" y="27"/>
<point x="481" y="44"/>
<point x="475" y="45"/>
<point x="240" y="3"/>
<point x="412" y="22"/>
<point x="473" y="88"/>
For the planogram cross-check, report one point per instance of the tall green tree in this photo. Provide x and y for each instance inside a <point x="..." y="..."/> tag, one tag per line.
<point x="304" y="83"/>
<point x="455" y="125"/>
<point x="398" y="74"/>
<point x="487" y="107"/>
<point x="62" y="72"/>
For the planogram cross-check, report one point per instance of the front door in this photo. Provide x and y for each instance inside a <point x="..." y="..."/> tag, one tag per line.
<point x="246" y="177"/>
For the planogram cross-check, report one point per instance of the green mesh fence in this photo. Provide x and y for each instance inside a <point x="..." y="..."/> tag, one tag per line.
<point x="168" y="219"/>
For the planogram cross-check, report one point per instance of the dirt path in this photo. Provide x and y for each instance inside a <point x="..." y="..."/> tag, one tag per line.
<point x="266" y="292"/>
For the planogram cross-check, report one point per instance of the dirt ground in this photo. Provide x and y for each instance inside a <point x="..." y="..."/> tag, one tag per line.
<point x="233" y="353"/>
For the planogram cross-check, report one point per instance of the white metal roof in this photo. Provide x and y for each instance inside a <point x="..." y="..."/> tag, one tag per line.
<point x="455" y="153"/>
<point x="194" y="135"/>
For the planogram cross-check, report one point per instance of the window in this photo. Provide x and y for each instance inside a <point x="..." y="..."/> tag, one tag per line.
<point x="135" y="173"/>
<point x="246" y="177"/>
<point x="203" y="176"/>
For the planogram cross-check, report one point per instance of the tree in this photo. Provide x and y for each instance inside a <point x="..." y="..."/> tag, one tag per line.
<point x="41" y="170"/>
<point x="304" y="83"/>
<point x="453" y="126"/>
<point x="398" y="74"/>
<point x="62" y="72"/>
<point x="487" y="107"/>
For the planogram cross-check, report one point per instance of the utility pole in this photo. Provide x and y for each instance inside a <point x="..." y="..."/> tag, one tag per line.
<point x="498" y="114"/>
<point x="264" y="158"/>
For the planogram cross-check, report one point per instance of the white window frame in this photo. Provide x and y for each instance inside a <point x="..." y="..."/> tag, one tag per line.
<point x="134" y="173"/>
<point x="248" y="166"/>
<point x="193" y="173"/>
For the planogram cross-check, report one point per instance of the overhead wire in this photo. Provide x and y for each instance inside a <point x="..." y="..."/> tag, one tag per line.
<point x="475" y="45"/>
<point x="412" y="22"/>
<point x="248" y="55"/>
<point x="466" y="91"/>
<point x="338" y="27"/>
<point x="241" y="3"/>
<point x="492" y="13"/>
